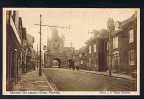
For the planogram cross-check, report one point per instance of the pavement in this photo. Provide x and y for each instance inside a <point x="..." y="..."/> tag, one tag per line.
<point x="31" y="81"/>
<point x="117" y="75"/>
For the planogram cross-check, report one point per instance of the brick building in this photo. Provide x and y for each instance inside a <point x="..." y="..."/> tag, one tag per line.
<point x="124" y="44"/>
<point x="17" y="45"/>
<point x="14" y="45"/>
<point x="96" y="51"/>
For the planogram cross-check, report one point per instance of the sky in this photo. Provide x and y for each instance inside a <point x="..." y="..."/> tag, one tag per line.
<point x="80" y="20"/>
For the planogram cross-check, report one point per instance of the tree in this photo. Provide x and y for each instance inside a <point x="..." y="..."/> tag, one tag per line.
<point x="95" y="32"/>
<point x="104" y="33"/>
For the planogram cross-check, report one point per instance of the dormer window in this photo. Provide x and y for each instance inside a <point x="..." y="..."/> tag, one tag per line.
<point x="117" y="25"/>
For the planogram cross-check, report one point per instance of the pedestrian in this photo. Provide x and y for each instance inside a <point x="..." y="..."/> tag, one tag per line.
<point x="70" y="63"/>
<point x="77" y="65"/>
<point x="73" y="66"/>
<point x="59" y="64"/>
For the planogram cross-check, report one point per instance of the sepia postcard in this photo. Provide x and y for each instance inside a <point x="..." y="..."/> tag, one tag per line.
<point x="71" y="51"/>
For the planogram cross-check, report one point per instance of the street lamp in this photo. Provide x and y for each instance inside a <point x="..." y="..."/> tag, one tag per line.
<point x="40" y="69"/>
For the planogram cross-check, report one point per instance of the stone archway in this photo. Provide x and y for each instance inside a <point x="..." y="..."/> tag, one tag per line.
<point x="56" y="62"/>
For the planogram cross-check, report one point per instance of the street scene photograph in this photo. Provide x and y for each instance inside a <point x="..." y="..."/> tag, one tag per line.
<point x="71" y="50"/>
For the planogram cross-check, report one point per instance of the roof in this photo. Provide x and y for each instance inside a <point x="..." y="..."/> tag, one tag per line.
<point x="126" y="22"/>
<point x="82" y="48"/>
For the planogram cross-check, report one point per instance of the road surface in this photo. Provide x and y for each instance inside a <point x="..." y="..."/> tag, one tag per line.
<point x="69" y="80"/>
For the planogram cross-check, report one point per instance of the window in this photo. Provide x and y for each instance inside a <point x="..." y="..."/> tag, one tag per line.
<point x="131" y="36"/>
<point x="80" y="55"/>
<point x="94" y="46"/>
<point x="115" y="42"/>
<point x="117" y="25"/>
<point x="131" y="57"/>
<point x="107" y="46"/>
<point x="116" y="60"/>
<point x="89" y="49"/>
<point x="81" y="62"/>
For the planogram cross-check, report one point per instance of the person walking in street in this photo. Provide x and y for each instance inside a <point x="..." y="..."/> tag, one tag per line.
<point x="76" y="65"/>
<point x="73" y="66"/>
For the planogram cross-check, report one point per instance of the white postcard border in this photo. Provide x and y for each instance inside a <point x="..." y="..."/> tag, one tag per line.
<point x="122" y="93"/>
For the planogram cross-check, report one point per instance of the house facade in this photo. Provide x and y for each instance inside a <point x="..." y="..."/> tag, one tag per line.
<point x="124" y="44"/>
<point x="14" y="45"/>
<point x="97" y="51"/>
<point x="16" y="48"/>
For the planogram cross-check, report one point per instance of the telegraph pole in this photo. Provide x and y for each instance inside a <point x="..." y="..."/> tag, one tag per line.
<point x="110" y="54"/>
<point x="111" y="27"/>
<point x="37" y="56"/>
<point x="72" y="50"/>
<point x="40" y="70"/>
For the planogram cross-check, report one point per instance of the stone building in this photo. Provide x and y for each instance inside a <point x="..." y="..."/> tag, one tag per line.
<point x="55" y="47"/>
